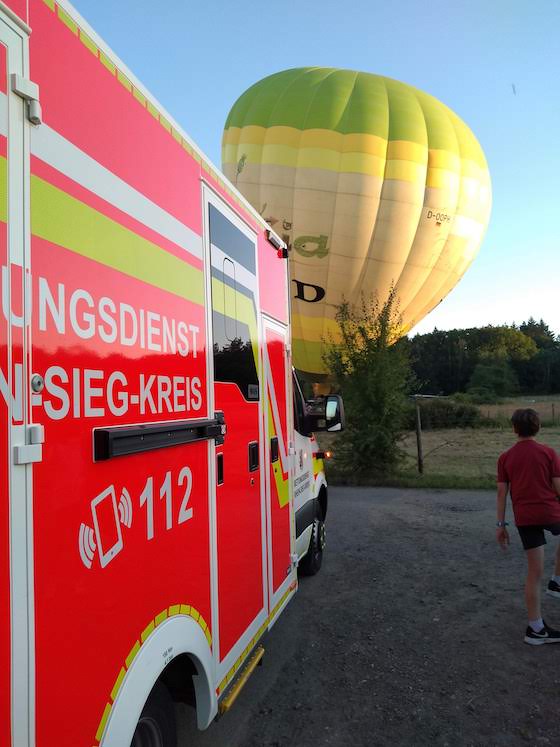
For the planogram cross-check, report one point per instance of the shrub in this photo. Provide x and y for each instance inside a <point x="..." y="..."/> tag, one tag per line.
<point x="492" y="378"/>
<point x="372" y="369"/>
<point x="444" y="413"/>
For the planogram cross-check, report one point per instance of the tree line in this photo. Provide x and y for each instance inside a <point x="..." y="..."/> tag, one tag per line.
<point x="487" y="362"/>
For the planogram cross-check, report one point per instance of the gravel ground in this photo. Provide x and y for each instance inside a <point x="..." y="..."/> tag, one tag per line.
<point x="411" y="634"/>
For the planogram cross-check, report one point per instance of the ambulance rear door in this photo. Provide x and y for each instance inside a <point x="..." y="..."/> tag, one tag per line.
<point x="238" y="392"/>
<point x="278" y="463"/>
<point x="18" y="454"/>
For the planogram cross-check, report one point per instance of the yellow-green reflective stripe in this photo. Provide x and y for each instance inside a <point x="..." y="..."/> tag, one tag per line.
<point x="63" y="220"/>
<point x="118" y="683"/>
<point x="65" y="18"/>
<point x="281" y="484"/>
<point x="132" y="655"/>
<point x="101" y="727"/>
<point x="87" y="42"/>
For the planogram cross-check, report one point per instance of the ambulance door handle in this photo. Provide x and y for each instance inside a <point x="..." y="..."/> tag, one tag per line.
<point x="253" y="448"/>
<point x="32" y="450"/>
<point x="220" y="468"/>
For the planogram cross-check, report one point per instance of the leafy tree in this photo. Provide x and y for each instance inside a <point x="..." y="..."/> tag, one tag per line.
<point x="540" y="374"/>
<point x="493" y="378"/>
<point x="444" y="362"/>
<point x="501" y="342"/>
<point x="540" y="333"/>
<point x="372" y="368"/>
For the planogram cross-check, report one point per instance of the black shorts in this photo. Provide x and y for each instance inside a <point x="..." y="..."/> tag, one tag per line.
<point x="533" y="535"/>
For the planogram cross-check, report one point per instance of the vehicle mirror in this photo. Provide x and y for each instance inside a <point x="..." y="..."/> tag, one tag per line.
<point x="334" y="413"/>
<point x="324" y="414"/>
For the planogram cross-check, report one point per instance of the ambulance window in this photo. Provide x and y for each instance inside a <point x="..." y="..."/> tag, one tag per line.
<point x="299" y="405"/>
<point x="230" y="310"/>
<point x="234" y="360"/>
<point x="231" y="240"/>
<point x="233" y="305"/>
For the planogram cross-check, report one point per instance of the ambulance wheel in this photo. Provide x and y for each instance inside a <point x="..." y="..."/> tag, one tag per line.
<point x="312" y="560"/>
<point x="156" y="725"/>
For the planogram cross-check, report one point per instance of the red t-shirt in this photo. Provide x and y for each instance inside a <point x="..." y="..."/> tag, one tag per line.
<point x="529" y="468"/>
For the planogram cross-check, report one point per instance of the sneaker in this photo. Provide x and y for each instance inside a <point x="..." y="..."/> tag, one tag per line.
<point x="553" y="589"/>
<point x="546" y="635"/>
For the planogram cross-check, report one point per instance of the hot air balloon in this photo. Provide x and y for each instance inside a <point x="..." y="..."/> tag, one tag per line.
<point x="372" y="183"/>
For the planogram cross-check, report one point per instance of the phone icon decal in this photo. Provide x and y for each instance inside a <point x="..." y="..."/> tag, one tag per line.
<point x="105" y="538"/>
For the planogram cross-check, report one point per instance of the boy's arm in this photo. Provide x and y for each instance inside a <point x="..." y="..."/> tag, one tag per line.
<point x="556" y="483"/>
<point x="502" y="536"/>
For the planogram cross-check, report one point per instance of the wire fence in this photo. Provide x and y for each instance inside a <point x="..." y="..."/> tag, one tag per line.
<point x="500" y="413"/>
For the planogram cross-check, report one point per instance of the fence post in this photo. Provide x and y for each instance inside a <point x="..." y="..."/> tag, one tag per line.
<point x="419" y="437"/>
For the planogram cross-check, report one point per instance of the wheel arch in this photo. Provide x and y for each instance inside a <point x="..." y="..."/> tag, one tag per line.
<point x="188" y="644"/>
<point x="323" y="498"/>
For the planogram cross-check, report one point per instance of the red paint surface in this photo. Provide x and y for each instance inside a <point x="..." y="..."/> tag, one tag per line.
<point x="107" y="122"/>
<point x="87" y="620"/>
<point x="280" y="515"/>
<point x="273" y="280"/>
<point x="238" y="504"/>
<point x="19" y="7"/>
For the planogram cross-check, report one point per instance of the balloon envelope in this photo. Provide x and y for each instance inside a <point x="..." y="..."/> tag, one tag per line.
<point x="372" y="183"/>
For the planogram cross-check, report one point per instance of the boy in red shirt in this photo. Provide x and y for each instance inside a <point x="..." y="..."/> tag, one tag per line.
<point x="531" y="473"/>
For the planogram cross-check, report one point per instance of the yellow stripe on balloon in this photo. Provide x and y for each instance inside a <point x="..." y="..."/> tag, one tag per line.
<point x="405" y="171"/>
<point x="316" y="327"/>
<point x="444" y="159"/>
<point x="313" y="137"/>
<point x="362" y="154"/>
<point x="404" y="150"/>
<point x="229" y="154"/>
<point x="364" y="143"/>
<point x="362" y="163"/>
<point x="442" y="179"/>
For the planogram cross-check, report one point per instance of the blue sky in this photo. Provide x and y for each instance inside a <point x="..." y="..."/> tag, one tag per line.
<point x="197" y="58"/>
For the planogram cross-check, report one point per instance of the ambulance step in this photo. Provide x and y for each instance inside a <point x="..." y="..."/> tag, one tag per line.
<point x="241" y="681"/>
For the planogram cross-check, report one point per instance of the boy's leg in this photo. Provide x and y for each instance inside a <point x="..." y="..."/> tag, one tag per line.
<point x="535" y="567"/>
<point x="553" y="587"/>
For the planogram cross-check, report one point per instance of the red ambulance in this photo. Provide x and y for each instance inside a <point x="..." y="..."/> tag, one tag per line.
<point x="156" y="495"/>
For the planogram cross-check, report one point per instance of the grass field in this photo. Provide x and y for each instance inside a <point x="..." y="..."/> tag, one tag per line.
<point x="548" y="407"/>
<point x="462" y="457"/>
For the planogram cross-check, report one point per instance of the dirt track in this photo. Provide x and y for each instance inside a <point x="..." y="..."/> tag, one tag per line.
<point x="411" y="634"/>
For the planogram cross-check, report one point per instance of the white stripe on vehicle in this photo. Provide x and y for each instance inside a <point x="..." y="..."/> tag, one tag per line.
<point x="68" y="159"/>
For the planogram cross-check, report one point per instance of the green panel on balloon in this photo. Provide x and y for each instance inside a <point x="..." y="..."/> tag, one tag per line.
<point x="371" y="182"/>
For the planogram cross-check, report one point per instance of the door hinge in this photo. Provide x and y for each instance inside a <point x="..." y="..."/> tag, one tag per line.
<point x="32" y="450"/>
<point x="29" y="92"/>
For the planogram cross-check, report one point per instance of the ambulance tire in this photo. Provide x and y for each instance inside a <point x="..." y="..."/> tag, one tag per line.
<point x="313" y="558"/>
<point x="156" y="726"/>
